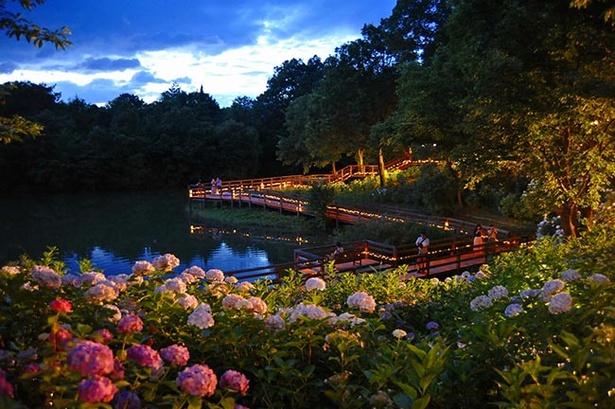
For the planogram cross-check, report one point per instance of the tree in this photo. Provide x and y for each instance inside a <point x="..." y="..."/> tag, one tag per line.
<point x="529" y="87"/>
<point x="14" y="25"/>
<point x="356" y="92"/>
<point x="291" y="80"/>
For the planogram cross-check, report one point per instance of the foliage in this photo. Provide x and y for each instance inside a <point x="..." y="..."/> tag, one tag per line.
<point x="532" y="329"/>
<point x="386" y="232"/>
<point x="15" y="128"/>
<point x="498" y="110"/>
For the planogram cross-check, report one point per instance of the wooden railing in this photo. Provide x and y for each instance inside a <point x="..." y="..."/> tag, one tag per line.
<point x="446" y="257"/>
<point x="200" y="190"/>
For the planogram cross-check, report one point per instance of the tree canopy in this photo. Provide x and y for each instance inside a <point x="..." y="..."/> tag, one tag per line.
<point x="15" y="128"/>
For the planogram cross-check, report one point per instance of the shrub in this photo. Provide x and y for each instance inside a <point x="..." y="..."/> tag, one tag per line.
<point x="533" y="329"/>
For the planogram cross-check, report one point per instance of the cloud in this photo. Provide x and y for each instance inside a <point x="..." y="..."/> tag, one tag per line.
<point x="108" y="64"/>
<point x="142" y="47"/>
<point x="8" y="67"/>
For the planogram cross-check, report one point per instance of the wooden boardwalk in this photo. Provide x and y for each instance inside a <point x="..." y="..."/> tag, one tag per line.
<point x="446" y="258"/>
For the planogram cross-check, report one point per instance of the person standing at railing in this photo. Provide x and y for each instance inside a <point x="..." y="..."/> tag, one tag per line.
<point x="492" y="237"/>
<point x="479" y="235"/>
<point x="214" y="187"/>
<point x="422" y="244"/>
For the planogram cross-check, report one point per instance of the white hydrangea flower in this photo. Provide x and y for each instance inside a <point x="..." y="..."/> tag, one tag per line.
<point x="176" y="285"/>
<point x="187" y="278"/>
<point x="142" y="268"/>
<point x="346" y="318"/>
<point x="73" y="280"/>
<point x="231" y="280"/>
<point x="315" y="284"/>
<point x="195" y="271"/>
<point x="165" y="262"/>
<point x="101" y="292"/>
<point x="244" y="286"/>
<point x="215" y="275"/>
<point x="310" y="311"/>
<point x="10" y="270"/>
<point x="363" y="301"/>
<point x="115" y="314"/>
<point x="45" y="276"/>
<point x="188" y="301"/>
<point x="92" y="277"/>
<point x="275" y="323"/>
<point x="229" y="301"/>
<point x="399" y="333"/>
<point x="560" y="302"/>
<point x="201" y="317"/>
<point x="480" y="303"/>
<point x="258" y="305"/>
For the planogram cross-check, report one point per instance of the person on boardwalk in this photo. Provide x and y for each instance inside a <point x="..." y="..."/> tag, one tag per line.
<point x="219" y="185"/>
<point x="214" y="187"/>
<point x="492" y="238"/>
<point x="337" y="252"/>
<point x="479" y="235"/>
<point x="422" y="244"/>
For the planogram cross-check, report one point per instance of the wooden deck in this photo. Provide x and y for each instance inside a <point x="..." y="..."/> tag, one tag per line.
<point x="446" y="258"/>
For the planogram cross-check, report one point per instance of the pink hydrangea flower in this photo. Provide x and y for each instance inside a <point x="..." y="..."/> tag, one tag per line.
<point x="175" y="355"/>
<point x="61" y="305"/>
<point x="130" y="323"/>
<point x="118" y="370"/>
<point x="104" y="334"/>
<point x="62" y="336"/>
<point x="197" y="380"/>
<point x="235" y="380"/>
<point x="91" y="358"/>
<point x="97" y="389"/>
<point x="145" y="355"/>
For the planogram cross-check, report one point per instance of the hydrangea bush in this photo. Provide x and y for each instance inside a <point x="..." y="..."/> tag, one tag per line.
<point x="531" y="329"/>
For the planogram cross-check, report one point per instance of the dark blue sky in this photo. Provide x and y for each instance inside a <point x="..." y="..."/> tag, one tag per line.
<point x="142" y="47"/>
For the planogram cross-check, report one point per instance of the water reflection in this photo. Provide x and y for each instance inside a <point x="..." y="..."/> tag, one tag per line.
<point x="114" y="230"/>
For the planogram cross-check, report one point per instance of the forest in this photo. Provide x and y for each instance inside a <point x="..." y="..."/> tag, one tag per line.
<point x="515" y="97"/>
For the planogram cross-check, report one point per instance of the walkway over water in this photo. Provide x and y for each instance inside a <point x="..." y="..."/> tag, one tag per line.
<point x="446" y="258"/>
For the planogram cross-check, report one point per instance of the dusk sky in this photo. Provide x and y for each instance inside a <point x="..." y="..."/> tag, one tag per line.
<point x="229" y="47"/>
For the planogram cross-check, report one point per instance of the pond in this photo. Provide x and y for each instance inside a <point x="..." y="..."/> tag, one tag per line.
<point x="114" y="230"/>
